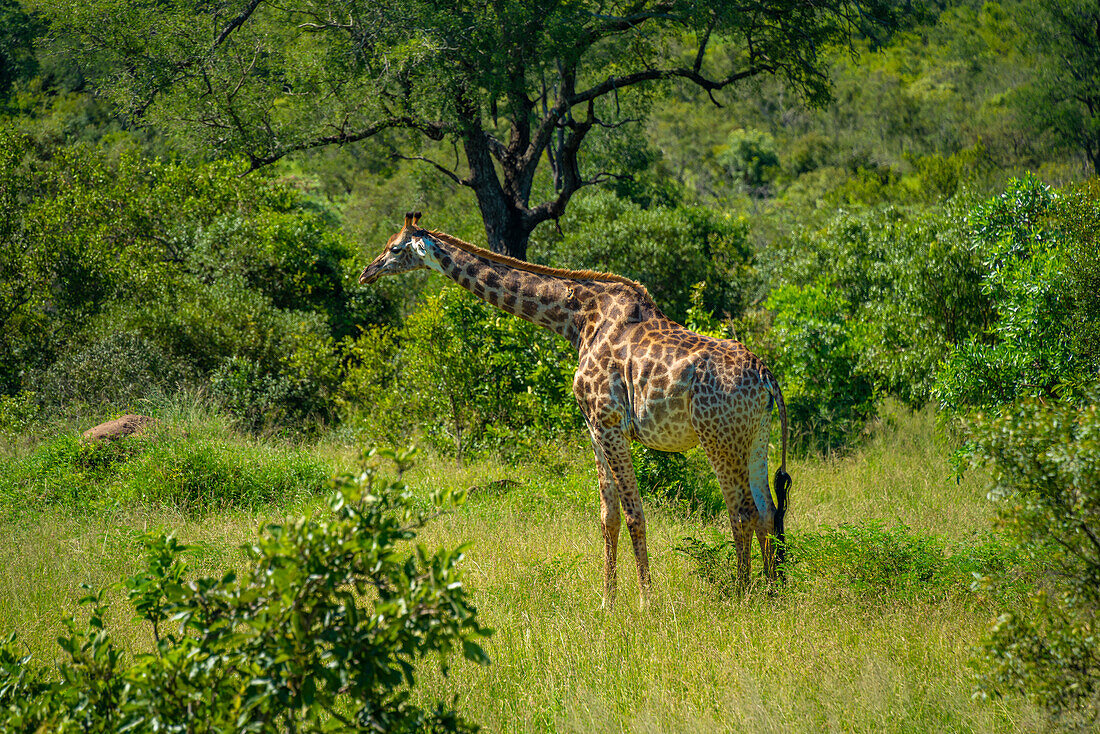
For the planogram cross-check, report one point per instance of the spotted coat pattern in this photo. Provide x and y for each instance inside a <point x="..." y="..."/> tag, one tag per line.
<point x="640" y="376"/>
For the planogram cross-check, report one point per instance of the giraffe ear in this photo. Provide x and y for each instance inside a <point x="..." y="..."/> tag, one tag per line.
<point x="408" y="219"/>
<point x="416" y="219"/>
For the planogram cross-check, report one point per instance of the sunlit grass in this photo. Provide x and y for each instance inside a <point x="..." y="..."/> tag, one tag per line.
<point x="824" y="653"/>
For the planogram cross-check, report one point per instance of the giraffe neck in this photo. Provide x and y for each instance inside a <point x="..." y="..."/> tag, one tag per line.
<point x="542" y="299"/>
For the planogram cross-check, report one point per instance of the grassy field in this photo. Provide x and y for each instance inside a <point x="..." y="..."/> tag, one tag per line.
<point x="874" y="632"/>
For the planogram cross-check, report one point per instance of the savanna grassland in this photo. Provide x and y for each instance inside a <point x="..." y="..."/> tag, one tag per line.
<point x="877" y="629"/>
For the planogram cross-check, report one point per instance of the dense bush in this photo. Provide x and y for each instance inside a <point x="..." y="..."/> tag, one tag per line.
<point x="667" y="249"/>
<point x="322" y="630"/>
<point x="1041" y="268"/>
<point x="117" y="368"/>
<point x="817" y="354"/>
<point x="1045" y="462"/>
<point x="204" y="271"/>
<point x="865" y="307"/>
<point x="683" y="482"/>
<point x="751" y="159"/>
<point x="910" y="278"/>
<point x="472" y="375"/>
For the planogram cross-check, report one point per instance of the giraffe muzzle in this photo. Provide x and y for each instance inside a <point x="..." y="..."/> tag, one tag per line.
<point x="370" y="274"/>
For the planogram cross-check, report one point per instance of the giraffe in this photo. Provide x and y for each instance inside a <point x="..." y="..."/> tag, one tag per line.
<point x="640" y="376"/>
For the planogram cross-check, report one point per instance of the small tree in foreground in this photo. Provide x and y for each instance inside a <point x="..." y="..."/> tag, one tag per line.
<point x="1046" y="475"/>
<point x="321" y="632"/>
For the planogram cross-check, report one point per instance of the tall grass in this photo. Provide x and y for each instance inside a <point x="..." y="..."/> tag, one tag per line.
<point x="874" y="631"/>
<point x="190" y="461"/>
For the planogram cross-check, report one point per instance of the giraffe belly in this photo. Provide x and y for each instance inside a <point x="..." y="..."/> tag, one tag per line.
<point x="665" y="423"/>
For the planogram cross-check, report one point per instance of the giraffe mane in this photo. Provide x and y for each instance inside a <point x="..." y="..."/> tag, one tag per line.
<point x="542" y="269"/>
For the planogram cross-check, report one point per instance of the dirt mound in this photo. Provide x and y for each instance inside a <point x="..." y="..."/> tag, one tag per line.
<point x="127" y="425"/>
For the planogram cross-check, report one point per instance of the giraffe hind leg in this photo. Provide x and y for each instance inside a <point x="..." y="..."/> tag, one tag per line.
<point x="733" y="478"/>
<point x="762" y="496"/>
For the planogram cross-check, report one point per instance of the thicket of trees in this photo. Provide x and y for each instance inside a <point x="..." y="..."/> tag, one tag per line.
<point x="912" y="220"/>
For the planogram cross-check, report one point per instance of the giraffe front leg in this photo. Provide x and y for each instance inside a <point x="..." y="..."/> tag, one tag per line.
<point x="618" y="464"/>
<point x="609" y="525"/>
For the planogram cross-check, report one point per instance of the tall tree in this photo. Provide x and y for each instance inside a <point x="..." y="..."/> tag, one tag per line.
<point x="512" y="83"/>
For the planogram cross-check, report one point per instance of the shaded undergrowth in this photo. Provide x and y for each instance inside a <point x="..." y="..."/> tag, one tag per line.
<point x="870" y="562"/>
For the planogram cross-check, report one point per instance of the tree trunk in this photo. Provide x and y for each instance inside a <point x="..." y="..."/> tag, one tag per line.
<point x="506" y="227"/>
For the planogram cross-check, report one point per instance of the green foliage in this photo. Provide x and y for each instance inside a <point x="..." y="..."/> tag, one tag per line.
<point x="867" y="306"/>
<point x="268" y="85"/>
<point x="1045" y="463"/>
<point x="1064" y="97"/>
<point x="371" y="369"/>
<point x="17" y="414"/>
<point x="1035" y="245"/>
<point x="667" y="249"/>
<point x="480" y="378"/>
<point x="869" y="561"/>
<point x="118" y="368"/>
<point x="930" y="113"/>
<point x="130" y="276"/>
<point x="751" y="159"/>
<point x="161" y="467"/>
<point x="683" y="482"/>
<point x="817" y="355"/>
<point x="18" y="31"/>
<point x="910" y="277"/>
<point x="322" y="630"/>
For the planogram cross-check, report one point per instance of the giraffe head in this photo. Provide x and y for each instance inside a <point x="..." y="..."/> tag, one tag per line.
<point x="403" y="252"/>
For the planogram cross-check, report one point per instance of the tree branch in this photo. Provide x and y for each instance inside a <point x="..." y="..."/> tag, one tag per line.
<point x="438" y="166"/>
<point x="618" y="82"/>
<point x="698" y="65"/>
<point x="431" y="130"/>
<point x="571" y="180"/>
<point x="236" y="23"/>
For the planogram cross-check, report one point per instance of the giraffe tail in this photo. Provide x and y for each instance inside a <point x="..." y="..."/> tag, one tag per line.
<point x="782" y="478"/>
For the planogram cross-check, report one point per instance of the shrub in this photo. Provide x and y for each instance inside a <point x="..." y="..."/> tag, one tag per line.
<point x="910" y="279"/>
<point x="683" y="481"/>
<point x="116" y="369"/>
<point x="751" y="159"/>
<point x="869" y="561"/>
<point x="818" y="346"/>
<point x="668" y="249"/>
<point x="1038" y="248"/>
<point x="1045" y="462"/>
<point x="322" y="630"/>
<point x="370" y="371"/>
<point x="17" y="414"/>
<point x="480" y="378"/>
<point x="169" y="271"/>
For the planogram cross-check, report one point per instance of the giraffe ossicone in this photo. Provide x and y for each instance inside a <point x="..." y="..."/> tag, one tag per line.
<point x="640" y="376"/>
